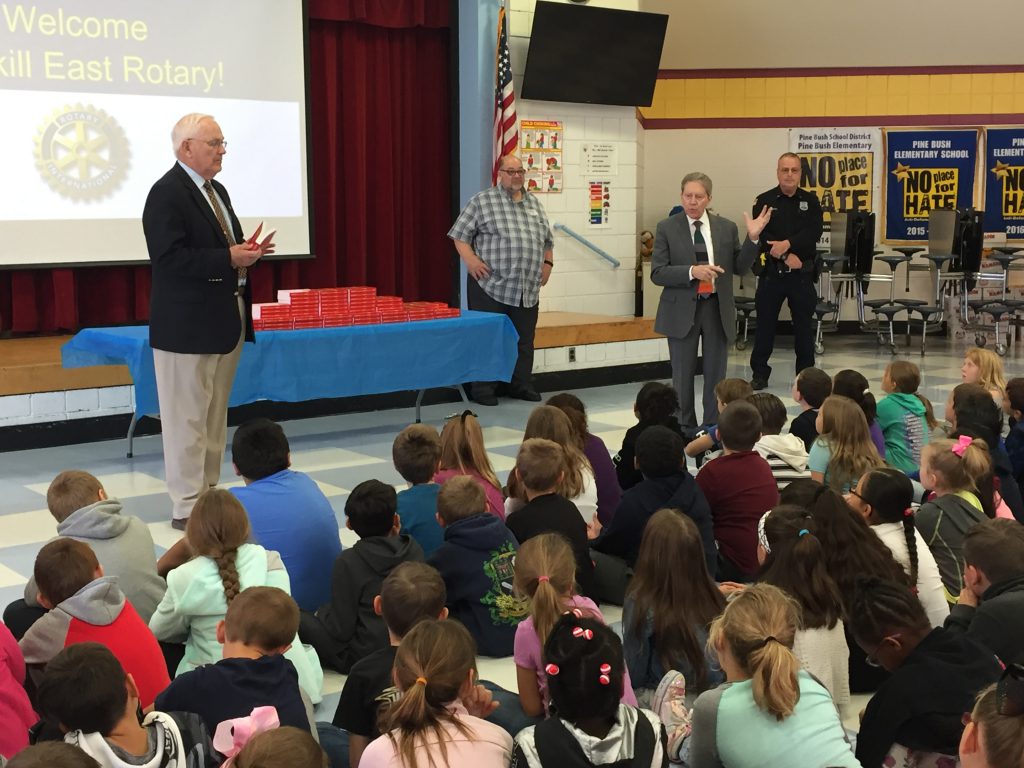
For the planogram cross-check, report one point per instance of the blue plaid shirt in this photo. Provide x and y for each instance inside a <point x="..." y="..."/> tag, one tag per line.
<point x="512" y="238"/>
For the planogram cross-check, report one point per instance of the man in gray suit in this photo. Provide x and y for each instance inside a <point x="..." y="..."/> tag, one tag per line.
<point x="696" y="254"/>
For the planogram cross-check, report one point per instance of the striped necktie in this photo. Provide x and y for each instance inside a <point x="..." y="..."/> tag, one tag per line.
<point x="208" y="187"/>
<point x="700" y="248"/>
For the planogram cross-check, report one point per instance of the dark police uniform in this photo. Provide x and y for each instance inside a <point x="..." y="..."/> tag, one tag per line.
<point x="797" y="219"/>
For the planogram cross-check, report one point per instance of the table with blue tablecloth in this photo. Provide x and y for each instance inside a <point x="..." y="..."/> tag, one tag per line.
<point x="293" y="366"/>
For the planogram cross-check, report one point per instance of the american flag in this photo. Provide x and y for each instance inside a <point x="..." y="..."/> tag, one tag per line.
<point x="506" y="129"/>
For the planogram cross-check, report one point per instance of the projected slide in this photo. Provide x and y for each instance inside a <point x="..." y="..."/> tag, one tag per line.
<point x="90" y="91"/>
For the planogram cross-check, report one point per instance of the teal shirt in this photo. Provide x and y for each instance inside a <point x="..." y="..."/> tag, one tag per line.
<point x="905" y="428"/>
<point x="729" y="731"/>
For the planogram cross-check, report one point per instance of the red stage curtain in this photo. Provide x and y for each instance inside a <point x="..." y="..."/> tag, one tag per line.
<point x="379" y="96"/>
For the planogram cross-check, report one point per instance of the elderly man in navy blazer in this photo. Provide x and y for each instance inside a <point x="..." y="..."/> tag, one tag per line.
<point x="199" y="307"/>
<point x="696" y="254"/>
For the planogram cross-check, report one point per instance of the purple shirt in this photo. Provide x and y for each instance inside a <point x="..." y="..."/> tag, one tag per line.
<point x="528" y="652"/>
<point x="608" y="490"/>
<point x="877" y="438"/>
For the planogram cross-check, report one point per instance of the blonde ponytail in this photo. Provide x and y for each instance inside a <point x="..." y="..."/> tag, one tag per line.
<point x="759" y="626"/>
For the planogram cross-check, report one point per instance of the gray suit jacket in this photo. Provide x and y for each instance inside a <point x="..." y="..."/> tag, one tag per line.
<point x="670" y="267"/>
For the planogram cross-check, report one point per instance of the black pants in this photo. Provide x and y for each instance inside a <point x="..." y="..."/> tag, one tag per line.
<point x="797" y="289"/>
<point x="19" y="617"/>
<point x="525" y="321"/>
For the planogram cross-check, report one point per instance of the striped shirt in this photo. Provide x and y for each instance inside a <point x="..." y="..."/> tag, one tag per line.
<point x="511" y="238"/>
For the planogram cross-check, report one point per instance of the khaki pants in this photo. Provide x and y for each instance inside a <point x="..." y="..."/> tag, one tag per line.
<point x="193" y="391"/>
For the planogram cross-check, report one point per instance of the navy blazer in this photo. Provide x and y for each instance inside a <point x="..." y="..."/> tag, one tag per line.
<point x="192" y="308"/>
<point x="670" y="267"/>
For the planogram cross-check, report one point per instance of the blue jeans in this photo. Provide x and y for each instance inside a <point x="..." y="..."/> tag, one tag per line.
<point x="334" y="742"/>
<point x="509" y="715"/>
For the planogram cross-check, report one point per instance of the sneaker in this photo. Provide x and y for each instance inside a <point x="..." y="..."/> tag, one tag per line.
<point x="757" y="384"/>
<point x="669" y="702"/>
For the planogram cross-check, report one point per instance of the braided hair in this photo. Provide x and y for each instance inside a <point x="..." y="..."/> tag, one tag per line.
<point x="217" y="528"/>
<point x="890" y="493"/>
<point x="878" y="608"/>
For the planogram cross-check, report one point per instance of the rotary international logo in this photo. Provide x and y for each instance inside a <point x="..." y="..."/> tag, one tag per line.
<point x="82" y="153"/>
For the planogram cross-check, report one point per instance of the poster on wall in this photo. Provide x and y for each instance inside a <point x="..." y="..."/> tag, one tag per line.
<point x="600" y="159"/>
<point x="541" y="153"/>
<point x="926" y="169"/>
<point x="1004" y="182"/>
<point x="839" y="167"/>
<point x="599" y="197"/>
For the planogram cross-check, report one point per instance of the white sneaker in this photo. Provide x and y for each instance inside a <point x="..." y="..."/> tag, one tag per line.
<point x="669" y="702"/>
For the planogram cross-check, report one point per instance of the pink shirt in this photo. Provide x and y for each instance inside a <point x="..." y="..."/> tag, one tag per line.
<point x="16" y="715"/>
<point x="495" y="500"/>
<point x="486" y="746"/>
<point x="528" y="652"/>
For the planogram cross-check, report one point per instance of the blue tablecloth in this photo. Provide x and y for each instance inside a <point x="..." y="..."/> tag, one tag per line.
<point x="292" y="366"/>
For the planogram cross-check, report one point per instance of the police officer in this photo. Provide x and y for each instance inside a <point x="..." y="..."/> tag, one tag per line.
<point x="786" y="268"/>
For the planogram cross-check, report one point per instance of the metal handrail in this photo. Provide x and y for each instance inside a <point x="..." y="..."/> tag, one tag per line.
<point x="602" y="253"/>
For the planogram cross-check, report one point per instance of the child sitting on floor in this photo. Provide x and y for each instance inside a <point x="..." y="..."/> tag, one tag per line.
<point x="707" y="444"/>
<point x="122" y="543"/>
<point x="608" y="490"/>
<point x="577" y="484"/>
<point x="985" y="367"/>
<point x="854" y="385"/>
<point x="811" y="387"/>
<point x="411" y="593"/>
<point x="476" y="563"/>
<point x="769" y="712"/>
<point x="416" y="453"/>
<point x="592" y="724"/>
<point x="670" y="604"/>
<point x="84" y="605"/>
<point x="905" y="416"/>
<point x="540" y="468"/>
<point x="86" y="690"/>
<point x="463" y="453"/>
<point x="785" y="454"/>
<point x="545" y="574"/>
<point x="949" y="469"/>
<point x="258" y="628"/>
<point x="435" y="668"/>
<point x="223" y="564"/>
<point x="739" y="487"/>
<point x="656" y="405"/>
<point x="990" y="608"/>
<point x="347" y="629"/>
<point x="843" y="451"/>
<point x="288" y="512"/>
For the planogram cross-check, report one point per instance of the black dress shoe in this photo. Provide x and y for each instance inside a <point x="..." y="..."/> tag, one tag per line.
<point x="757" y="384"/>
<point x="484" y="398"/>
<point x="179" y="523"/>
<point x="524" y="393"/>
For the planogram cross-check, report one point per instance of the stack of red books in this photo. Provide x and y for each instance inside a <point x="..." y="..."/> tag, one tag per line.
<point x="332" y="307"/>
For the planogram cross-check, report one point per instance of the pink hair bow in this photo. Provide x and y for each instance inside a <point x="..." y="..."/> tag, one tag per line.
<point x="232" y="735"/>
<point x="961" y="445"/>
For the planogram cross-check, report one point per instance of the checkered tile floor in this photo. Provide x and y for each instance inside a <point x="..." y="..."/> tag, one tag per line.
<point x="339" y="452"/>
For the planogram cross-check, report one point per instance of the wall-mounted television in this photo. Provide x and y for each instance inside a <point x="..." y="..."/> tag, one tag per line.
<point x="593" y="55"/>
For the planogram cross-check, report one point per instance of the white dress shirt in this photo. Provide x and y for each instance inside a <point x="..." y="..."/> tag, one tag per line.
<point x="705" y="230"/>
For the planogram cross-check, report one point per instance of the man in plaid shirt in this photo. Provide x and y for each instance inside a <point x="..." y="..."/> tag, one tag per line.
<point x="504" y="239"/>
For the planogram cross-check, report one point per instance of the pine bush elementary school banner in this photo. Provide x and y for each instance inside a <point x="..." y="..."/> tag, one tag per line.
<point x="1004" y="181"/>
<point x="839" y="167"/>
<point x="927" y="169"/>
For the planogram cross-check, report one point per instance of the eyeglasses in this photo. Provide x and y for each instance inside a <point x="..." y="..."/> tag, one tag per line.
<point x="1010" y="691"/>
<point x="212" y="143"/>
<point x="852" y="492"/>
<point x="514" y="171"/>
<point x="872" y="658"/>
<point x="460" y="416"/>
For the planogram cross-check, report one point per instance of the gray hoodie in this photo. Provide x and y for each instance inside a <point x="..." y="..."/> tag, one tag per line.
<point x="786" y="455"/>
<point x="124" y="547"/>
